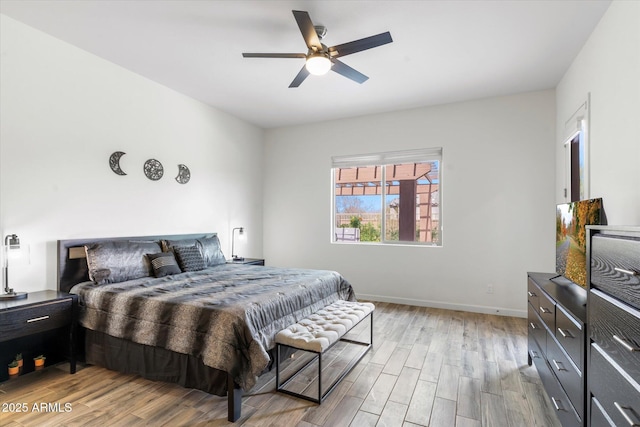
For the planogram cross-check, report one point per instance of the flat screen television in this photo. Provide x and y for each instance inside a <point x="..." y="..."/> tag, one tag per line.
<point x="571" y="237"/>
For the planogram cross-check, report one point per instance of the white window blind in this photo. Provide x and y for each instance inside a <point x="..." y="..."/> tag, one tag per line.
<point x="387" y="158"/>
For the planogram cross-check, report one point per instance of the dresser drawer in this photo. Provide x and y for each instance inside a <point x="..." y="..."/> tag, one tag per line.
<point x="565" y="371"/>
<point x="563" y="407"/>
<point x="598" y="415"/>
<point x="547" y="310"/>
<point x="36" y="318"/>
<point x="570" y="335"/>
<point x="619" y="398"/>
<point x="535" y="354"/>
<point x="533" y="294"/>
<point x="615" y="327"/>
<point x="536" y="329"/>
<point x="615" y="266"/>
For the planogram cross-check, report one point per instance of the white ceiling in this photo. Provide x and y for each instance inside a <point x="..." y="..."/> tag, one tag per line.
<point x="443" y="51"/>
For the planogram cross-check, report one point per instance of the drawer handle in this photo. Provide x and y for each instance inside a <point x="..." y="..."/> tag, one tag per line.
<point x="37" y="319"/>
<point x="624" y="411"/>
<point x="533" y="354"/>
<point x="625" y="344"/>
<point x="559" y="366"/>
<point x="532" y="294"/>
<point x="533" y="325"/>
<point x="557" y="403"/>
<point x="544" y="310"/>
<point x="565" y="333"/>
<point x="624" y="271"/>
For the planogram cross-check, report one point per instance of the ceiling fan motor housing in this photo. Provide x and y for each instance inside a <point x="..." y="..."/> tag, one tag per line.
<point x="321" y="31"/>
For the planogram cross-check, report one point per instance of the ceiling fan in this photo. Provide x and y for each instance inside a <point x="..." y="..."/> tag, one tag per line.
<point x="320" y="58"/>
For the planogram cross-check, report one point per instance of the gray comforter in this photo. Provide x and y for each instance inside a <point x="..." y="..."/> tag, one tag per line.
<point x="228" y="315"/>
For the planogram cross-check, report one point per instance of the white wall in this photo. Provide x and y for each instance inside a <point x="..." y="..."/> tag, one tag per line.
<point x="608" y="67"/>
<point x="498" y="202"/>
<point x="64" y="111"/>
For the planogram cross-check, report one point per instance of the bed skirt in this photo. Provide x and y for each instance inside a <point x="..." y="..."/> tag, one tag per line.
<point x="153" y="363"/>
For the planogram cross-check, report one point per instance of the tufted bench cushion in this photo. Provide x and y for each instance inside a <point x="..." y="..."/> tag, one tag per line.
<point x="317" y="333"/>
<point x="323" y="328"/>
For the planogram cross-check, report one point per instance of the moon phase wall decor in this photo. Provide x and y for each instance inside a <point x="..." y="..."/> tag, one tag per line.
<point x="114" y="162"/>
<point x="153" y="169"/>
<point x="184" y="174"/>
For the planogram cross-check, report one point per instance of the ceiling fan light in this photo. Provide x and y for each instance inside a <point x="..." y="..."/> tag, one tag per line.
<point x="318" y="64"/>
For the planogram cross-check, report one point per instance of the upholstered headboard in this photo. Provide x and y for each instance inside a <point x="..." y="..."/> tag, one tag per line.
<point x="72" y="262"/>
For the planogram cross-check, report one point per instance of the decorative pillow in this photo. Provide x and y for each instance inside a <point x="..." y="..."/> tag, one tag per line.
<point x="164" y="264"/>
<point x="116" y="261"/>
<point x="211" y="252"/>
<point x="169" y="245"/>
<point x="189" y="258"/>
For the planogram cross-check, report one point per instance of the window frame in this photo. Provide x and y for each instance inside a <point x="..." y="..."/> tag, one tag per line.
<point x="382" y="160"/>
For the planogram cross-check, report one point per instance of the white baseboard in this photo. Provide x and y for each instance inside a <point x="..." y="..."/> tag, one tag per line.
<point x="500" y="311"/>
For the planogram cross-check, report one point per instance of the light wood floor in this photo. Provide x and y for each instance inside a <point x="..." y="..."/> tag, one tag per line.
<point x="428" y="367"/>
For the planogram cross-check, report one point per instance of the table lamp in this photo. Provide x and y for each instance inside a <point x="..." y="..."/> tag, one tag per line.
<point x="13" y="253"/>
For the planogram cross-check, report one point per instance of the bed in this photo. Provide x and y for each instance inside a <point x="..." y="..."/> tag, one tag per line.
<point x="170" y="308"/>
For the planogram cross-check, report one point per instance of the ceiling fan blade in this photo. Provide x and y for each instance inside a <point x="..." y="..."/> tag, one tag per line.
<point x="343" y="69"/>
<point x="274" y="55"/>
<point x="360" y="45"/>
<point x="303" y="74"/>
<point x="306" y="28"/>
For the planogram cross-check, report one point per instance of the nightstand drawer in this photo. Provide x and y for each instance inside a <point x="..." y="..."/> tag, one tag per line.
<point x="618" y="397"/>
<point x="33" y="319"/>
<point x="570" y="335"/>
<point x="615" y="327"/>
<point x="615" y="267"/>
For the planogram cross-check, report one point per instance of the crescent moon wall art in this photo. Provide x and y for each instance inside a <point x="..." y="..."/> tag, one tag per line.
<point x="114" y="162"/>
<point x="153" y="169"/>
<point x="184" y="174"/>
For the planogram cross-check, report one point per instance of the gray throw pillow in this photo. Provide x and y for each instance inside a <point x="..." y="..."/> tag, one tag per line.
<point x="164" y="264"/>
<point x="189" y="258"/>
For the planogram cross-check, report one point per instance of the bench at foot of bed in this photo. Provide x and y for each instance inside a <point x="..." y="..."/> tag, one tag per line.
<point x="318" y="333"/>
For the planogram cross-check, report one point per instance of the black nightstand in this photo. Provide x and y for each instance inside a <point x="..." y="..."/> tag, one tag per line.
<point x="42" y="323"/>
<point x="250" y="261"/>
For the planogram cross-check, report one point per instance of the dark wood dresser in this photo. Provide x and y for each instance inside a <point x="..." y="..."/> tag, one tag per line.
<point x="557" y="316"/>
<point x="613" y="319"/>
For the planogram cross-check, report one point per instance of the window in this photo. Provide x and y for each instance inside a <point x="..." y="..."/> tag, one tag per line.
<point x="388" y="198"/>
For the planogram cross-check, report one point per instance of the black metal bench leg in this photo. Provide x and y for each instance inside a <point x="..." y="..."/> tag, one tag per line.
<point x="319" y="378"/>
<point x="234" y="400"/>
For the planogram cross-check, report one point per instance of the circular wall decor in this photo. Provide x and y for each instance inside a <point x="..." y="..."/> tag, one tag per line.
<point x="153" y="169"/>
<point x="114" y="162"/>
<point x="184" y="174"/>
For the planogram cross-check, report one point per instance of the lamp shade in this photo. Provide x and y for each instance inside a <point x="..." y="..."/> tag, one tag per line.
<point x="234" y="256"/>
<point x="318" y="64"/>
